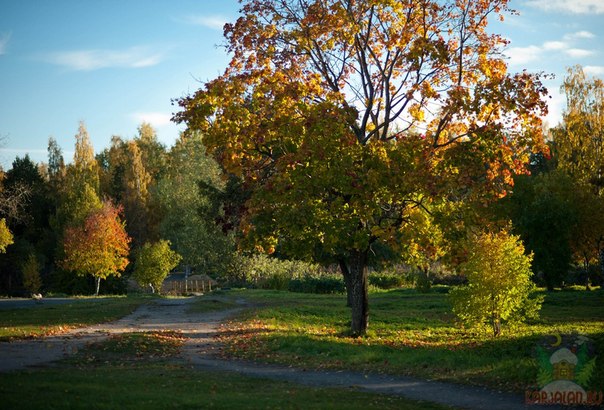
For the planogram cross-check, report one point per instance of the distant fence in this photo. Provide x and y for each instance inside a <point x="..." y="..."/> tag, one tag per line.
<point x="181" y="287"/>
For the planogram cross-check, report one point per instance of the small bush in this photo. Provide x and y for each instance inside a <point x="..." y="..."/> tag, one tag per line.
<point x="499" y="283"/>
<point x="276" y="281"/>
<point x="265" y="272"/>
<point x="450" y="280"/>
<point x="321" y="285"/>
<point x="387" y="280"/>
<point x="423" y="283"/>
<point x="581" y="276"/>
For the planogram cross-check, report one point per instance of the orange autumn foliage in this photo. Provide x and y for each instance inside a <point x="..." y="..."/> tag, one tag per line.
<point x="100" y="246"/>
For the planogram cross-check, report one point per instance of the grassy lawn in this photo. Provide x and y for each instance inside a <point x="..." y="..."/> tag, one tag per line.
<point x="410" y="334"/>
<point x="134" y="371"/>
<point x="46" y="320"/>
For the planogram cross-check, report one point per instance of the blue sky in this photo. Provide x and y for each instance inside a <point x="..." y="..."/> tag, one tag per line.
<point x="114" y="64"/>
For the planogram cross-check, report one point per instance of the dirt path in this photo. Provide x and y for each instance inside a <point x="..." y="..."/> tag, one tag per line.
<point x="165" y="314"/>
<point x="199" y="329"/>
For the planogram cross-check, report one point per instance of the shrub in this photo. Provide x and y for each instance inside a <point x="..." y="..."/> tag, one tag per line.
<point x="265" y="272"/>
<point x="499" y="283"/>
<point x="276" y="281"/>
<point x="321" y="285"/>
<point x="387" y="280"/>
<point x="450" y="280"/>
<point x="423" y="284"/>
<point x="31" y="274"/>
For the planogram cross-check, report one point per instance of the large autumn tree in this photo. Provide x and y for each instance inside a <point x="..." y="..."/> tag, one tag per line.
<point x="346" y="117"/>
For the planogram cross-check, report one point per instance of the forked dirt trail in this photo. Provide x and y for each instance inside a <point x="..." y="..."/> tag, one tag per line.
<point x="199" y="330"/>
<point x="165" y="314"/>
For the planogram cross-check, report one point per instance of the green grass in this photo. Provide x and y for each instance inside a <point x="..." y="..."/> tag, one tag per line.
<point x="45" y="320"/>
<point x="135" y="371"/>
<point x="409" y="333"/>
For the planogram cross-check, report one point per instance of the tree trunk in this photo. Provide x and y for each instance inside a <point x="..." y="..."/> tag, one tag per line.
<point x="356" y="271"/>
<point x="496" y="325"/>
<point x="586" y="268"/>
<point x="98" y="286"/>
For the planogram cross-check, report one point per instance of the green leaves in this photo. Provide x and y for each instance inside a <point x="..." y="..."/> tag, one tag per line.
<point x="153" y="263"/>
<point x="499" y="286"/>
<point x="189" y="212"/>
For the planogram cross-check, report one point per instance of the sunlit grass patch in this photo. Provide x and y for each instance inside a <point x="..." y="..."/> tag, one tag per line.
<point x="409" y="333"/>
<point x="44" y="320"/>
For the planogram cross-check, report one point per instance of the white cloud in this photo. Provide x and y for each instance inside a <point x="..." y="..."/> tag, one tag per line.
<point x="157" y="119"/>
<point x="578" y="52"/>
<point x="569" y="6"/>
<point x="554" y="45"/>
<point x="579" y="34"/>
<point x="555" y="106"/>
<point x="215" y="22"/>
<point x="595" y="70"/>
<point x="88" y="60"/>
<point x="523" y="55"/>
<point x="4" y="39"/>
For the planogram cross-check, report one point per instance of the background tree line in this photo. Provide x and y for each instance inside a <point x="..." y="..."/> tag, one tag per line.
<point x="53" y="210"/>
<point x="558" y="208"/>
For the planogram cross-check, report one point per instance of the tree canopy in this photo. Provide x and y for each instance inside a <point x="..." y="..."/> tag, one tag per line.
<point x="346" y="117"/>
<point x="189" y="222"/>
<point x="99" y="246"/>
<point x="499" y="283"/>
<point x="579" y="140"/>
<point x="154" y="262"/>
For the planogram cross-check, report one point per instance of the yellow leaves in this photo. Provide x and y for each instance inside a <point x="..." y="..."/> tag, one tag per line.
<point x="6" y="237"/>
<point x="427" y="91"/>
<point x="417" y="113"/>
